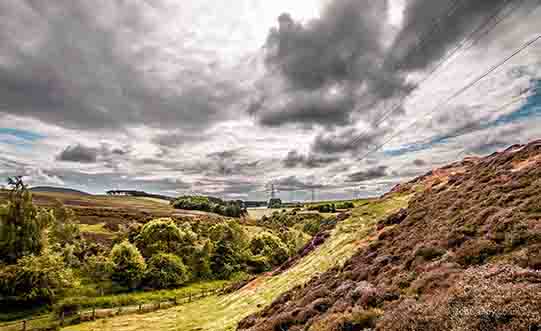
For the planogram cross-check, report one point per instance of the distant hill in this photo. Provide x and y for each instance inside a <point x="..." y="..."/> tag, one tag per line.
<point x="50" y="189"/>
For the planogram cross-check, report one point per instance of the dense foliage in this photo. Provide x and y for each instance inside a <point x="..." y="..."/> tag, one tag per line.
<point x="166" y="271"/>
<point x="128" y="265"/>
<point x="22" y="225"/>
<point x="324" y="208"/>
<point x="209" y="204"/>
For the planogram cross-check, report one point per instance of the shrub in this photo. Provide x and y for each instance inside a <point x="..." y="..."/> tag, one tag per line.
<point x="128" y="265"/>
<point x="37" y="278"/>
<point x="270" y="246"/>
<point x="345" y="205"/>
<point x="99" y="268"/>
<point x="166" y="271"/>
<point x="259" y="264"/>
<point x="429" y="253"/>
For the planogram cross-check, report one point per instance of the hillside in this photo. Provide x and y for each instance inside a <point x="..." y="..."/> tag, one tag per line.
<point x="456" y="249"/>
<point x="51" y="189"/>
<point x="222" y="313"/>
<point x="464" y="255"/>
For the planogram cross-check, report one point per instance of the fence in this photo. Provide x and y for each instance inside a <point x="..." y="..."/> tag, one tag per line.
<point x="52" y="322"/>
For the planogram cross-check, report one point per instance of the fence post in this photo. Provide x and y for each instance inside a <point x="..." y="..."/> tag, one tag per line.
<point x="175" y="301"/>
<point x="158" y="305"/>
<point x="190" y="297"/>
<point x="62" y="319"/>
<point x="24" y="325"/>
<point x="119" y="310"/>
<point x="140" y="307"/>
<point x="93" y="313"/>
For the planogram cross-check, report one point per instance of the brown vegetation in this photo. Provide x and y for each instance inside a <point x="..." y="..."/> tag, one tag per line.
<point x="464" y="255"/>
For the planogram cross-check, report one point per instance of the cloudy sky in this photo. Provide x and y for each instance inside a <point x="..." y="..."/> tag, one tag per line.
<point x="344" y="97"/>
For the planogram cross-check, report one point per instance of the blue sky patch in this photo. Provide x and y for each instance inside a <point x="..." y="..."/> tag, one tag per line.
<point x="21" y="134"/>
<point x="532" y="108"/>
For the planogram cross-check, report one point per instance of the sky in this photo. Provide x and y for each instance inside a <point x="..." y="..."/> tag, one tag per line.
<point x="346" y="98"/>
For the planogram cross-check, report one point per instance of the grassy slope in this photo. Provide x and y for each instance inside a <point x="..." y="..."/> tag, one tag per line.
<point x="221" y="313"/>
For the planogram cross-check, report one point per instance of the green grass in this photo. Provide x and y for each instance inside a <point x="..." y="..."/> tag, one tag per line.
<point x="222" y="313"/>
<point x="140" y="297"/>
<point x="95" y="228"/>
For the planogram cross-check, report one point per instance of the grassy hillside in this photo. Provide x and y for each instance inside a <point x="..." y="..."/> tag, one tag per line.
<point x="464" y="255"/>
<point x="220" y="313"/>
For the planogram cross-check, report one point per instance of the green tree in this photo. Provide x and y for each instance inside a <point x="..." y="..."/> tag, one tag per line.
<point x="128" y="265"/>
<point x="64" y="229"/>
<point x="166" y="271"/>
<point x="164" y="236"/>
<point x="226" y="260"/>
<point x="99" y="268"/>
<point x="200" y="261"/>
<point x="22" y="225"/>
<point x="270" y="246"/>
<point x="39" y="278"/>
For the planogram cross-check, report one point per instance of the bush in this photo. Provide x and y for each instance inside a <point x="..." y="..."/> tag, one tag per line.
<point x="36" y="278"/>
<point x="271" y="247"/>
<point x="99" y="268"/>
<point x="345" y="205"/>
<point x="128" y="265"/>
<point x="166" y="271"/>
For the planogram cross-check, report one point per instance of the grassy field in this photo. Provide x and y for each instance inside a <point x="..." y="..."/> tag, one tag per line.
<point x="222" y="313"/>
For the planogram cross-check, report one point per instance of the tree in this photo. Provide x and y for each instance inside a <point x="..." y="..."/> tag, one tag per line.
<point x="164" y="236"/>
<point x="225" y="260"/>
<point x="270" y="246"/>
<point x="22" y="225"/>
<point x="99" y="268"/>
<point x="39" y="278"/>
<point x="200" y="261"/>
<point x="166" y="271"/>
<point x="64" y="229"/>
<point x="128" y="265"/>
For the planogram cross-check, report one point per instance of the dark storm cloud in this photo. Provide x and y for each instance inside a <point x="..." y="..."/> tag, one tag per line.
<point x="311" y="108"/>
<point x="328" y="64"/>
<point x="348" y="141"/>
<point x="455" y="20"/>
<point x="367" y="175"/>
<point x="294" y="160"/>
<point x="292" y="183"/>
<point x="79" y="153"/>
<point x="85" y="65"/>
<point x="419" y="163"/>
<point x="173" y="140"/>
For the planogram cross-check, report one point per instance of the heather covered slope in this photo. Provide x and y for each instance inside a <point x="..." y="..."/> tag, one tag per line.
<point x="464" y="255"/>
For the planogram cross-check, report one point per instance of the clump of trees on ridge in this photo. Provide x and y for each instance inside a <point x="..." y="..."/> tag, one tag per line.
<point x="209" y="204"/>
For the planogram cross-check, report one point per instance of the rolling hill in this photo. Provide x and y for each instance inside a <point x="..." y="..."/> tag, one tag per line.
<point x="51" y="189"/>
<point x="456" y="249"/>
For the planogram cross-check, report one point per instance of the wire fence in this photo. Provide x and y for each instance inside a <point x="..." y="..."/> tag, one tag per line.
<point x="55" y="321"/>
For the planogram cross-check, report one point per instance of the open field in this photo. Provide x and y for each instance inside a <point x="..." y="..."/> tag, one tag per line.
<point x="222" y="313"/>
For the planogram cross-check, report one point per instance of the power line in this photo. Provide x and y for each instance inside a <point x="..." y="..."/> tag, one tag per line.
<point x="458" y="93"/>
<point x="459" y="46"/>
